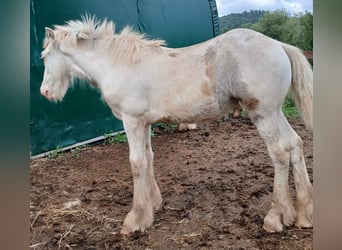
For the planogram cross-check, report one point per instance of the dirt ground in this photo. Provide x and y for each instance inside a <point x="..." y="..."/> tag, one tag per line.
<point x="216" y="184"/>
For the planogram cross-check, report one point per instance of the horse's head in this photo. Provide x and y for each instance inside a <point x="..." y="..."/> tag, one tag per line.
<point x="59" y="69"/>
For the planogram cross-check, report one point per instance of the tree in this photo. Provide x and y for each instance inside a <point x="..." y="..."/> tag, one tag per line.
<point x="272" y="24"/>
<point x="280" y="25"/>
<point x="306" y="21"/>
<point x="237" y="20"/>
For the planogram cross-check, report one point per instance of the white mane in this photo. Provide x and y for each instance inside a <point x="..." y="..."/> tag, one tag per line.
<point x="125" y="46"/>
<point x="86" y="28"/>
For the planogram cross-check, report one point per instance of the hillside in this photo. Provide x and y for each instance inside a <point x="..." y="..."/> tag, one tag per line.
<point x="237" y="20"/>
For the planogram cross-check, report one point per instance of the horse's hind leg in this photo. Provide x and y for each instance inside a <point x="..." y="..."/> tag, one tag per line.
<point x="304" y="188"/>
<point x="274" y="129"/>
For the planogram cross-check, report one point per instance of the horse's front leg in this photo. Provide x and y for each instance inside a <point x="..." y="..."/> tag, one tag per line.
<point x="141" y="215"/>
<point x="152" y="183"/>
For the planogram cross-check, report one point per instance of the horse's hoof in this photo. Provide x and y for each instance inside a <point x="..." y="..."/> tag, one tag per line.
<point x="187" y="126"/>
<point x="305" y="220"/>
<point x="125" y="230"/>
<point x="137" y="221"/>
<point x="272" y="222"/>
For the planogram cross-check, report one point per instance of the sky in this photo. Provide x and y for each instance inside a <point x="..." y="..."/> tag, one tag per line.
<point x="226" y="7"/>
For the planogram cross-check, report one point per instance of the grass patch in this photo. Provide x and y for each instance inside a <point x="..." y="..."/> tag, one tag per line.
<point x="289" y="108"/>
<point x="56" y="153"/>
<point x="119" y="138"/>
<point x="113" y="139"/>
<point x="76" y="152"/>
<point x="168" y="126"/>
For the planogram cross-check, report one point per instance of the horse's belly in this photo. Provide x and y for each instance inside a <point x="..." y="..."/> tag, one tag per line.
<point x="188" y="110"/>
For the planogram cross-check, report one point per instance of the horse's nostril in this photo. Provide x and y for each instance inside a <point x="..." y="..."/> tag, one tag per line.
<point x="44" y="92"/>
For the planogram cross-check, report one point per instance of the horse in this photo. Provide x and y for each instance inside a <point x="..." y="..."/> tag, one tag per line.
<point x="145" y="82"/>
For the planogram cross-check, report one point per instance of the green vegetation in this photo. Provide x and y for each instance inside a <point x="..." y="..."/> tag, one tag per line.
<point x="289" y="108"/>
<point x="56" y="153"/>
<point x="73" y="153"/>
<point x="113" y="139"/>
<point x="76" y="152"/>
<point x="168" y="126"/>
<point x="119" y="138"/>
<point x="279" y="24"/>
<point x="240" y="20"/>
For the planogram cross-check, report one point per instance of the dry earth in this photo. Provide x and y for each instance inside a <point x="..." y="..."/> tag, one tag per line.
<point x="216" y="184"/>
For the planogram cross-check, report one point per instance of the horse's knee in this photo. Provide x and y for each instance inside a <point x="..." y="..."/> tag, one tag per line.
<point x="280" y="154"/>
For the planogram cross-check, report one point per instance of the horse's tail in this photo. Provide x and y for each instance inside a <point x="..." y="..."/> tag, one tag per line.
<point x="302" y="83"/>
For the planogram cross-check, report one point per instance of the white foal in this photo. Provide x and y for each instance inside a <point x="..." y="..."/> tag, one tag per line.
<point x="144" y="82"/>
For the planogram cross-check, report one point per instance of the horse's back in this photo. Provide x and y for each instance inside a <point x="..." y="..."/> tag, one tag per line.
<point x="252" y="49"/>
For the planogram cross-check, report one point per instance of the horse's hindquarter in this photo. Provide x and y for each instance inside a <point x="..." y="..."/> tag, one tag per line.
<point x="249" y="68"/>
<point x="251" y="65"/>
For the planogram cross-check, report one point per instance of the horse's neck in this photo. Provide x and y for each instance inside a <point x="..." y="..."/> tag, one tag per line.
<point x="100" y="66"/>
<point x="94" y="67"/>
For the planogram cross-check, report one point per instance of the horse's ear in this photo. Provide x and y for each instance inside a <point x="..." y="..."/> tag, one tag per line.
<point x="49" y="33"/>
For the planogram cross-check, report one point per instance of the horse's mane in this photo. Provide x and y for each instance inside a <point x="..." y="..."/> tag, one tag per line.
<point x="125" y="46"/>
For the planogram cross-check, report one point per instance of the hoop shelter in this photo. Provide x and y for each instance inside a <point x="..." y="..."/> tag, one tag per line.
<point x="83" y="115"/>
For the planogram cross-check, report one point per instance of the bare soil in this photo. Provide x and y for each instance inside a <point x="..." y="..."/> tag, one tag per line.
<point x="216" y="184"/>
